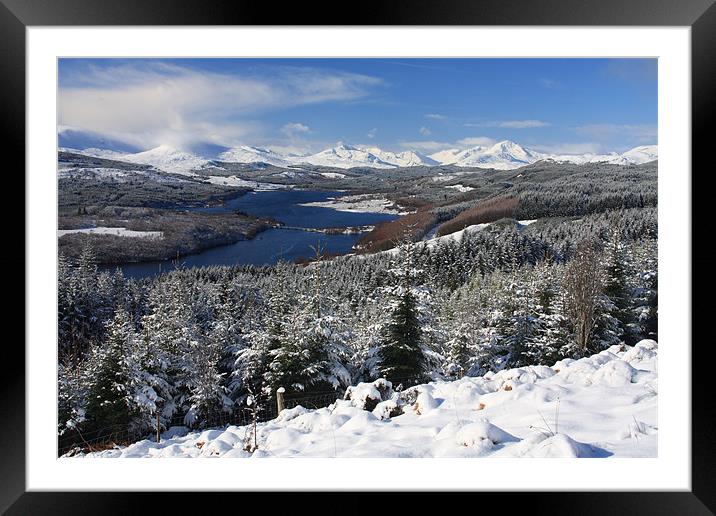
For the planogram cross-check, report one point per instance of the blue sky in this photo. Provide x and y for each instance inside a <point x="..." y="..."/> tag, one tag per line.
<point x="301" y="105"/>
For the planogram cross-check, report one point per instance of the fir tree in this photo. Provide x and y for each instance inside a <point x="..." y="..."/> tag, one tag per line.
<point x="401" y="352"/>
<point x="109" y="400"/>
<point x="616" y="286"/>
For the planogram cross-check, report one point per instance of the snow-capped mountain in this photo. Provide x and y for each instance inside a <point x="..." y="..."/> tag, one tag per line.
<point x="164" y="158"/>
<point x="635" y="156"/>
<point x="642" y="154"/>
<point x="402" y="159"/>
<point x="446" y="157"/>
<point x="96" y="153"/>
<point x="504" y="155"/>
<point x="168" y="159"/>
<point x="345" y="156"/>
<point x="247" y="154"/>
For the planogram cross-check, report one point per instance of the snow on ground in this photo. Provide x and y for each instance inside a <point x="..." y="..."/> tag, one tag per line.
<point x="113" y="174"/>
<point x="237" y="181"/>
<point x="364" y="203"/>
<point x="599" y="406"/>
<point x="101" y="230"/>
<point x="460" y="188"/>
<point x="440" y="178"/>
<point x="430" y="240"/>
<point x="456" y="236"/>
<point x="168" y="159"/>
<point x="333" y="175"/>
<point x="64" y="172"/>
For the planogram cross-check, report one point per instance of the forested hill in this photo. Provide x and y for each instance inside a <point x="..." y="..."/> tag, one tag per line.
<point x="194" y="343"/>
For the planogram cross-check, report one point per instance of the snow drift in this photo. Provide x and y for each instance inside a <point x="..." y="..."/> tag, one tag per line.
<point x="599" y="406"/>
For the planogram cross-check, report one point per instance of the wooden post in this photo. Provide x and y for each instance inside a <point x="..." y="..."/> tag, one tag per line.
<point x="158" y="425"/>
<point x="279" y="399"/>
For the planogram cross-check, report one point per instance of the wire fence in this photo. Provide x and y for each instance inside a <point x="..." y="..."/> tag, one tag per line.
<point x="75" y="441"/>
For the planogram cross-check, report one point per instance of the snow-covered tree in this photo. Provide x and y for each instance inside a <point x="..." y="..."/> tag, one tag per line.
<point x="109" y="400"/>
<point x="401" y="355"/>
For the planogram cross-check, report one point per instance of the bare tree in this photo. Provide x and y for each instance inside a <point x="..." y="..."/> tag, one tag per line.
<point x="583" y="285"/>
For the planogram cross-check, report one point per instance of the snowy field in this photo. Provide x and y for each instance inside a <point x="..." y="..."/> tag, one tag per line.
<point x="237" y="181"/>
<point x="431" y="240"/>
<point x="123" y="232"/>
<point x="460" y="188"/>
<point x="600" y="406"/>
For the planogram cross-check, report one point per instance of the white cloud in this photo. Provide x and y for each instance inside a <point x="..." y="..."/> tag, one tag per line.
<point x="150" y="104"/>
<point x="371" y="134"/>
<point x="293" y="129"/>
<point x="570" y="148"/>
<point x="424" y="131"/>
<point x="523" y="124"/>
<point x="474" y="141"/>
<point x="425" y="146"/>
<point x="436" y="116"/>
<point x="640" y="133"/>
<point x="430" y="146"/>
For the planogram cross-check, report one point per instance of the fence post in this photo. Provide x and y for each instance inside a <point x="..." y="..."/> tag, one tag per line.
<point x="158" y="423"/>
<point x="279" y="399"/>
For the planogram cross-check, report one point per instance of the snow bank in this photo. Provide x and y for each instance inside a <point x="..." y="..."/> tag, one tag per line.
<point x="595" y="407"/>
<point x="368" y="395"/>
<point x="470" y="434"/>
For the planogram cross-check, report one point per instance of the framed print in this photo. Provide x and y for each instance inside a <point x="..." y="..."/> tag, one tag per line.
<point x="424" y="256"/>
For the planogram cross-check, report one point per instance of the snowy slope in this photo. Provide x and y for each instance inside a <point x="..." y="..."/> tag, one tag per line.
<point x="506" y="155"/>
<point x="635" y="156"/>
<point x="164" y="158"/>
<point x="345" y="156"/>
<point x="96" y="153"/>
<point x="448" y="156"/>
<point x="402" y="159"/>
<point x="642" y="154"/>
<point x="600" y="406"/>
<point x="247" y="154"/>
<point x="168" y="159"/>
<point x="503" y="155"/>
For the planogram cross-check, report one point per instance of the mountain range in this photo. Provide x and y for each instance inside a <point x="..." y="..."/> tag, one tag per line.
<point x="504" y="155"/>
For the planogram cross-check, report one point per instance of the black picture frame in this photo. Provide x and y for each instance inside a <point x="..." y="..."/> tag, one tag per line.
<point x="699" y="15"/>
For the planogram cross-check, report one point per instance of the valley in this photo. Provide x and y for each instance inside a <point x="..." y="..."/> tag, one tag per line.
<point x="224" y="213"/>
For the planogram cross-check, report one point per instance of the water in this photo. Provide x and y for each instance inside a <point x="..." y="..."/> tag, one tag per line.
<point x="276" y="243"/>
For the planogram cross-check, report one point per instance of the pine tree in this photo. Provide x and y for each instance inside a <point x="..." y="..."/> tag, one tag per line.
<point x="551" y="335"/>
<point x="616" y="287"/>
<point x="650" y="326"/>
<point x="457" y="356"/>
<point x="109" y="398"/>
<point x="401" y="354"/>
<point x="71" y="397"/>
<point x="312" y="356"/>
<point x="207" y="397"/>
